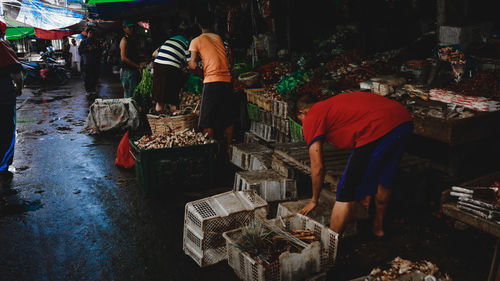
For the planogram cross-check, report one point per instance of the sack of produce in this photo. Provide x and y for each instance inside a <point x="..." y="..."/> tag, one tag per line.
<point x="111" y="114"/>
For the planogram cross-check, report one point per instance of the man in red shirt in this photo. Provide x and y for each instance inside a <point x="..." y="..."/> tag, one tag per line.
<point x="376" y="129"/>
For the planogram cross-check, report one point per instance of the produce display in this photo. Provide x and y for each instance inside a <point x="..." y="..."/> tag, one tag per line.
<point x="484" y="83"/>
<point x="475" y="103"/>
<point x="288" y="83"/>
<point x="400" y="267"/>
<point x="188" y="98"/>
<point x="194" y="84"/>
<point x="272" y="72"/>
<point x="175" y="138"/>
<point x="266" y="242"/>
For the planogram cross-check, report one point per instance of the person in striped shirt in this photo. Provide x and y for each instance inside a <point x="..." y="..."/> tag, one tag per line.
<point x="168" y="77"/>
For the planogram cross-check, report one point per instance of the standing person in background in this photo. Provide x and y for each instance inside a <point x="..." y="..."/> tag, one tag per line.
<point x="217" y="112"/>
<point x="10" y="71"/>
<point x="90" y="50"/>
<point x="168" y="77"/>
<point x="66" y="52"/>
<point x="75" y="56"/>
<point x="130" y="73"/>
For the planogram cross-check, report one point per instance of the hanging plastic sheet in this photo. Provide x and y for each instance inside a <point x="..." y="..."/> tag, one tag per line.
<point x="41" y="15"/>
<point x="52" y="34"/>
<point x="16" y="33"/>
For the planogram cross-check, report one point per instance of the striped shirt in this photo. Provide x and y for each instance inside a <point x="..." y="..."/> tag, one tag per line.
<point x="175" y="52"/>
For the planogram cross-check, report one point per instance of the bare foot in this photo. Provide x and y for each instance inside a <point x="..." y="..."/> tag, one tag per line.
<point x="378" y="231"/>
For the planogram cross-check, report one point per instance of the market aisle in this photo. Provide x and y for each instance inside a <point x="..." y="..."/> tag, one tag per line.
<point x="75" y="215"/>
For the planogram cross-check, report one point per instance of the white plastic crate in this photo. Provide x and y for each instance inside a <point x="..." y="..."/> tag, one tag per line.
<point x="260" y="161"/>
<point x="323" y="211"/>
<point x="250" y="137"/>
<point x="265" y="117"/>
<point x="305" y="265"/>
<point x="282" y="137"/>
<point x="281" y="124"/>
<point x="263" y="131"/>
<point x="279" y="108"/>
<point x="270" y="185"/>
<point x="205" y="220"/>
<point x="283" y="168"/>
<point x="241" y="154"/>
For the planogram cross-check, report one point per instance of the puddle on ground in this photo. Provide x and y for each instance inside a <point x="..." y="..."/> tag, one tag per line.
<point x="22" y="168"/>
<point x="12" y="205"/>
<point x="36" y="133"/>
<point x="64" y="128"/>
<point x="40" y="100"/>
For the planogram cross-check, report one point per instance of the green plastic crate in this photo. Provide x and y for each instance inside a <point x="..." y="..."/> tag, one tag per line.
<point x="161" y="170"/>
<point x="253" y="112"/>
<point x="295" y="130"/>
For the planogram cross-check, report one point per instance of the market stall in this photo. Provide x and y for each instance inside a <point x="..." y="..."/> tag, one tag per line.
<point x="472" y="214"/>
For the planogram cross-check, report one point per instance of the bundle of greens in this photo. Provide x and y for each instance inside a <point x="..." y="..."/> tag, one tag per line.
<point x="145" y="87"/>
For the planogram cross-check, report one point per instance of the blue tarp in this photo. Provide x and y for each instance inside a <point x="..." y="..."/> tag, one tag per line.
<point x="44" y="16"/>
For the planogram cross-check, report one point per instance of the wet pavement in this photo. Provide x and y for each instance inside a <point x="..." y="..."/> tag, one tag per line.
<point x="71" y="214"/>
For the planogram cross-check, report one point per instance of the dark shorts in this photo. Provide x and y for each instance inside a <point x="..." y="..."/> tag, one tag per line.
<point x="218" y="109"/>
<point x="167" y="83"/>
<point x="373" y="164"/>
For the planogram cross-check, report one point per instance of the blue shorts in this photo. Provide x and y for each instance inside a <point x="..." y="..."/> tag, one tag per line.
<point x="373" y="164"/>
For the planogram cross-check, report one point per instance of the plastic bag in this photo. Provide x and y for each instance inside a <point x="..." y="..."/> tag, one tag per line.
<point x="124" y="157"/>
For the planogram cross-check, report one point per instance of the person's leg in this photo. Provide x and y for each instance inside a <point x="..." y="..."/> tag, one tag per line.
<point x="159" y="106"/>
<point x="7" y="140"/>
<point x="341" y="214"/>
<point x="124" y="78"/>
<point x="95" y="77"/>
<point x="365" y="202"/>
<point x="87" y="77"/>
<point x="381" y="201"/>
<point x="208" y="110"/>
<point x="209" y="131"/>
<point x="135" y="78"/>
<point x="228" y="132"/>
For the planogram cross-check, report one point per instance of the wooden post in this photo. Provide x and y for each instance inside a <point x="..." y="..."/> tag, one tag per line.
<point x="494" y="274"/>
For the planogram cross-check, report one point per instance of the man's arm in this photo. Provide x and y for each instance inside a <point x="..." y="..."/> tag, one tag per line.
<point x="317" y="175"/>
<point x="18" y="81"/>
<point x="123" y="54"/>
<point x="193" y="62"/>
<point x="82" y="49"/>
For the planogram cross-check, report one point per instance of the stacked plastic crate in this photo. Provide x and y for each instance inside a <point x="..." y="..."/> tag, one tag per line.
<point x="268" y="116"/>
<point x="255" y="161"/>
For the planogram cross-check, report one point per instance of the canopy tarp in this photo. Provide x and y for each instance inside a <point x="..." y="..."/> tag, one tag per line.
<point x="107" y="1"/>
<point x="128" y="9"/>
<point x="52" y="34"/>
<point x="16" y="33"/>
<point x="42" y="15"/>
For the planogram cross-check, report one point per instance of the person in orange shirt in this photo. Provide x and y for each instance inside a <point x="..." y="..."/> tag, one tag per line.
<point x="217" y="113"/>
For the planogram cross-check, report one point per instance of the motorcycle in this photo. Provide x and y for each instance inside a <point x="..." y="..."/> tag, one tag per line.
<point x="50" y="72"/>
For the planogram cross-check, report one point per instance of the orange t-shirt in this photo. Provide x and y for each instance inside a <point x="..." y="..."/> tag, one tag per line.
<point x="213" y="54"/>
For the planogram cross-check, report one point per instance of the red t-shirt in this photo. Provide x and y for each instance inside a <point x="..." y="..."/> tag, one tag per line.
<point x="352" y="120"/>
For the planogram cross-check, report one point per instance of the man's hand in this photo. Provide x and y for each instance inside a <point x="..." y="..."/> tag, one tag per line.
<point x="18" y="82"/>
<point x="308" y="208"/>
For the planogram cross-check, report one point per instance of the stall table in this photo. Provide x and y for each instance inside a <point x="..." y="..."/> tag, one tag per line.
<point x="450" y="209"/>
